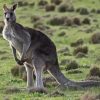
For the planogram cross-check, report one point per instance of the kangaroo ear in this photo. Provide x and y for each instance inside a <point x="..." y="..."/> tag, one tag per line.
<point x="5" y="7"/>
<point x="14" y="7"/>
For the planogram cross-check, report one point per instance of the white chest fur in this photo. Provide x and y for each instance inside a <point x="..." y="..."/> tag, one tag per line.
<point x="8" y="34"/>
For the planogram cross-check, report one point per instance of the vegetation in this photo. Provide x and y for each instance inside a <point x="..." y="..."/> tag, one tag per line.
<point x="66" y="23"/>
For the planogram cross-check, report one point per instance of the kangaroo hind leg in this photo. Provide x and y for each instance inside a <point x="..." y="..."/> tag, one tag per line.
<point x="29" y="71"/>
<point x="39" y="65"/>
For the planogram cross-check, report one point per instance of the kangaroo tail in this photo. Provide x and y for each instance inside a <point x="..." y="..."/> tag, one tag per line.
<point x="59" y="76"/>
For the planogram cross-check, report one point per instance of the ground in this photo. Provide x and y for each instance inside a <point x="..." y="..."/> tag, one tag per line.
<point x="63" y="35"/>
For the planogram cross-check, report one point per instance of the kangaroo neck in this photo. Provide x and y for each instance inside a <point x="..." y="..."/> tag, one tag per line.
<point x="9" y="23"/>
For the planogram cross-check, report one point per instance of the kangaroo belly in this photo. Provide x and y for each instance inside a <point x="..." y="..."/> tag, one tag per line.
<point x="17" y="45"/>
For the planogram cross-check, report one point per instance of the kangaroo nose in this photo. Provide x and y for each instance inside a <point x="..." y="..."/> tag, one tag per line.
<point x="7" y="19"/>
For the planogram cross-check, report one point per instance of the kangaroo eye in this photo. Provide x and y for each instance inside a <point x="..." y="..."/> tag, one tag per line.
<point x="11" y="14"/>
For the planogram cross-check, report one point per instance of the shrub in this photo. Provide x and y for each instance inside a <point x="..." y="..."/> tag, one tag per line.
<point x="35" y="18"/>
<point x="94" y="71"/>
<point x="62" y="34"/>
<point x="93" y="11"/>
<point x="40" y="26"/>
<point x="21" y="3"/>
<point x="32" y="4"/>
<point x="18" y="70"/>
<point x="69" y="22"/>
<point x="61" y="21"/>
<point x="50" y="7"/>
<point x="77" y="43"/>
<point x="71" y="9"/>
<point x="98" y="11"/>
<point x="57" y="2"/>
<point x="95" y="38"/>
<point x="72" y="65"/>
<point x="78" y="10"/>
<point x="42" y="3"/>
<point x="15" y="70"/>
<point x="81" y="49"/>
<point x="76" y="21"/>
<point x="64" y="7"/>
<point x="58" y="21"/>
<point x="86" y="21"/>
<point x="83" y="11"/>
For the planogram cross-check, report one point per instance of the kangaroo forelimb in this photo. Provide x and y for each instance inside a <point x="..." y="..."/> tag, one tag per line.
<point x="15" y="57"/>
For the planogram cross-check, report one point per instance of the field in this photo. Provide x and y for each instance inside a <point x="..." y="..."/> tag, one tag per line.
<point x="71" y="25"/>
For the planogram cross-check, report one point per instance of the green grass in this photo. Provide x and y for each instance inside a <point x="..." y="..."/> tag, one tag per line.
<point x="72" y="34"/>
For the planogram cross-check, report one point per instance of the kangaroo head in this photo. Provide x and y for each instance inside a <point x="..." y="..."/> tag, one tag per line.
<point x="9" y="14"/>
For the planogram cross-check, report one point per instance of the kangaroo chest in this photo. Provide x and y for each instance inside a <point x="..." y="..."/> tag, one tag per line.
<point x="8" y="34"/>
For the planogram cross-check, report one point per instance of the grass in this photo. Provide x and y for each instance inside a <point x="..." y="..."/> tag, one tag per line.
<point x="72" y="34"/>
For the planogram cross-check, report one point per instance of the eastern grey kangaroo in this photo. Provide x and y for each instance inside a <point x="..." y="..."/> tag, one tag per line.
<point x="36" y="51"/>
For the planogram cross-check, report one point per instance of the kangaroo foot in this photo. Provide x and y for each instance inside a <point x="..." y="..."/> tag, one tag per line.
<point x="34" y="89"/>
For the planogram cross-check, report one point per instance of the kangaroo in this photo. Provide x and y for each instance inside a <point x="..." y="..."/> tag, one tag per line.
<point x="36" y="51"/>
